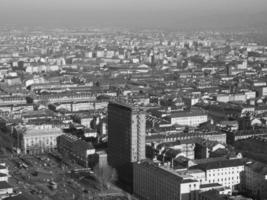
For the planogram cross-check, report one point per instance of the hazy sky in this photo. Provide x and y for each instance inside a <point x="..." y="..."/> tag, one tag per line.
<point x="134" y="13"/>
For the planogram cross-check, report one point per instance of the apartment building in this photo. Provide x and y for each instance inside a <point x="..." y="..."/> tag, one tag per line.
<point x="34" y="139"/>
<point x="225" y="172"/>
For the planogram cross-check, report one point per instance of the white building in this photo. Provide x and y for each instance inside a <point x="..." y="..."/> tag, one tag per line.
<point x="225" y="172"/>
<point x="231" y="97"/>
<point x="38" y="139"/>
<point x="189" y="118"/>
<point x="4" y="173"/>
<point x="250" y="94"/>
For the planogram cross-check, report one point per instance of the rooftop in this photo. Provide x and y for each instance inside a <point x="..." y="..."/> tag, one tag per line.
<point x="220" y="164"/>
<point x="126" y="105"/>
<point x="195" y="112"/>
<point x="210" y="185"/>
<point x="258" y="167"/>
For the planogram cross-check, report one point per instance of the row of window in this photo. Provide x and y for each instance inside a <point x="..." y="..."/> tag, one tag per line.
<point x="225" y="173"/>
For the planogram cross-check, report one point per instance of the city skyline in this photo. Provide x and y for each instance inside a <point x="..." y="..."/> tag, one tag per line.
<point x="133" y="100"/>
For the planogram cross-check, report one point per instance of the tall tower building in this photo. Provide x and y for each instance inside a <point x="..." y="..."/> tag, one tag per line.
<point x="126" y="137"/>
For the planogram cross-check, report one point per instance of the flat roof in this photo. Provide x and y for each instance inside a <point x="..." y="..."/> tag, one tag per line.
<point x="189" y="181"/>
<point x="220" y="164"/>
<point x="210" y="185"/>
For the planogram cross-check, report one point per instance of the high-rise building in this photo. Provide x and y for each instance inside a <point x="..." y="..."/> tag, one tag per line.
<point x="126" y="137"/>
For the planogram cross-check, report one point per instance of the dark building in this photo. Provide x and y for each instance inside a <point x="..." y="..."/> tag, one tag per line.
<point x="126" y="138"/>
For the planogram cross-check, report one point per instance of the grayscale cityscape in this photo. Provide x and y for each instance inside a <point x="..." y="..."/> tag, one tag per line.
<point x="133" y="100"/>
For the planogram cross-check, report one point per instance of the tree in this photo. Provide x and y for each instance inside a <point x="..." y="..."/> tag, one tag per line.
<point x="3" y="150"/>
<point x="105" y="176"/>
<point x="129" y="197"/>
<point x="93" y="160"/>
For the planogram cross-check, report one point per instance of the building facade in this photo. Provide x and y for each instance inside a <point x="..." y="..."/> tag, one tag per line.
<point x="225" y="172"/>
<point x="254" y="180"/>
<point x="37" y="139"/>
<point x="152" y="181"/>
<point x="191" y="118"/>
<point x="76" y="148"/>
<point x="126" y="137"/>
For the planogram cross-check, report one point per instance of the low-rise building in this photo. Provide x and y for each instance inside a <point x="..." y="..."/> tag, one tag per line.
<point x="186" y="147"/>
<point x="210" y="195"/>
<point x="225" y="172"/>
<point x="254" y="180"/>
<point x="76" y="148"/>
<point x="233" y="136"/>
<point x="231" y="97"/>
<point x="152" y="181"/>
<point x="172" y="137"/>
<point x="204" y="147"/>
<point x="33" y="139"/>
<point x="189" y="118"/>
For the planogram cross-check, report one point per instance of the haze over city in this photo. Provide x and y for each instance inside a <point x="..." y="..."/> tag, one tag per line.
<point x="175" y="14"/>
<point x="133" y="99"/>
